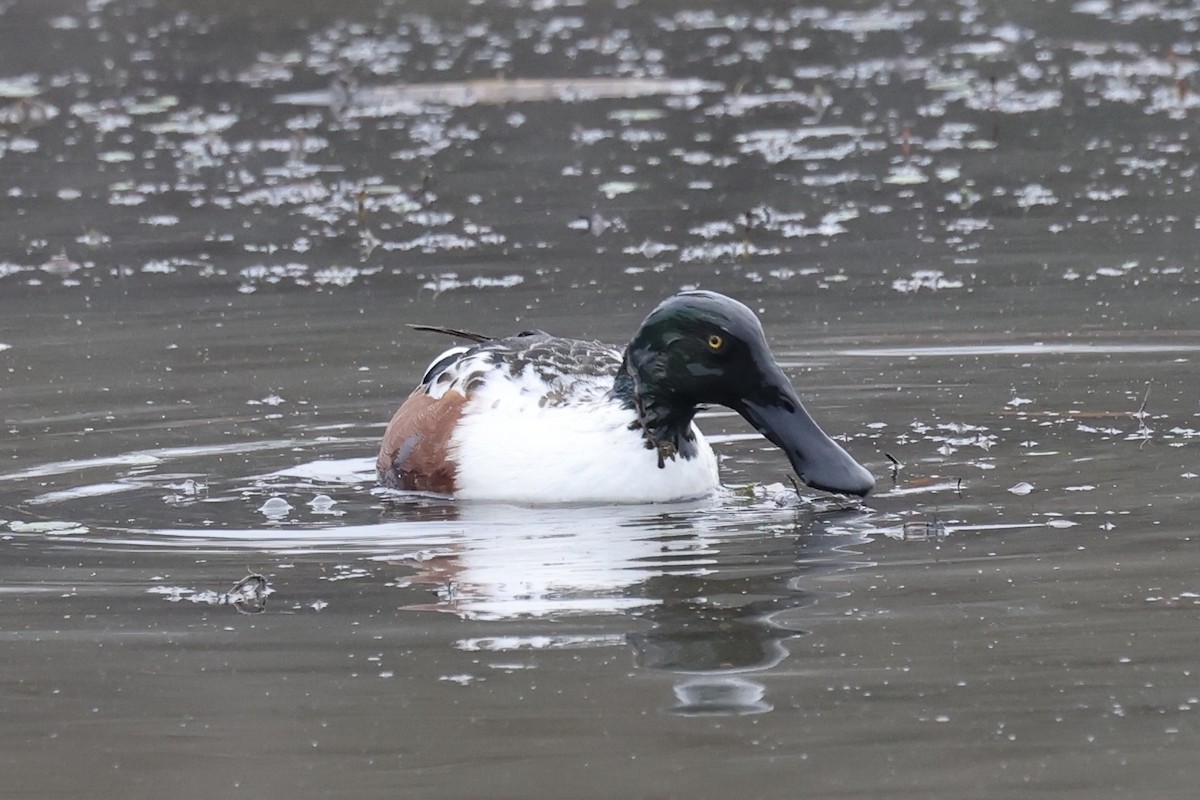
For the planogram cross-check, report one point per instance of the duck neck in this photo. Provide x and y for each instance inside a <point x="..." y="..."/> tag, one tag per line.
<point x="664" y="420"/>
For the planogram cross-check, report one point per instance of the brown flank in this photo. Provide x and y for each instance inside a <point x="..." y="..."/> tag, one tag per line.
<point x="415" y="451"/>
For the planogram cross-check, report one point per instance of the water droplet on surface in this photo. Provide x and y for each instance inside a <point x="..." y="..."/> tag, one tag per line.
<point x="275" y="508"/>
<point x="322" y="504"/>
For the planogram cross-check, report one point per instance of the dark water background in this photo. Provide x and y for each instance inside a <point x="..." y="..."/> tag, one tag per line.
<point x="970" y="229"/>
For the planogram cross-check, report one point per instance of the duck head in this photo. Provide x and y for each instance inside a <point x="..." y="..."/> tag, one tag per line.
<point x="702" y="347"/>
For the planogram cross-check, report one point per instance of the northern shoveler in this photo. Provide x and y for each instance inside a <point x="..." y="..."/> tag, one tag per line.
<point x="535" y="418"/>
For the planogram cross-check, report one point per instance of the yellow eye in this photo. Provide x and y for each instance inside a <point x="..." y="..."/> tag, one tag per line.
<point x="715" y="342"/>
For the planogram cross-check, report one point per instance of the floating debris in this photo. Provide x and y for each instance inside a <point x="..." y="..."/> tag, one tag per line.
<point x="61" y="266"/>
<point x="186" y="491"/>
<point x="450" y="280"/>
<point x="53" y="527"/>
<point x="614" y="189"/>
<point x="1034" y="195"/>
<point x="462" y="679"/>
<point x="931" y="279"/>
<point x="347" y="572"/>
<point x="247" y="596"/>
<point x="26" y="112"/>
<point x="906" y="175"/>
<point x="414" y="98"/>
<point x="924" y="530"/>
<point x="1181" y="600"/>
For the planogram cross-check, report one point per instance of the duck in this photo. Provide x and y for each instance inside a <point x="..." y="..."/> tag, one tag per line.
<point x="539" y="419"/>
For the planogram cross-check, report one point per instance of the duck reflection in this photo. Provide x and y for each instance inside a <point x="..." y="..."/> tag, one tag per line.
<point x="703" y="594"/>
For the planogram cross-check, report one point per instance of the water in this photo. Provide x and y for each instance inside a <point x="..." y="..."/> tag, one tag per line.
<point x="970" y="234"/>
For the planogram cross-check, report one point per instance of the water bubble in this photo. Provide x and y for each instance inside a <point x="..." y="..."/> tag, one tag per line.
<point x="275" y="508"/>
<point x="322" y="504"/>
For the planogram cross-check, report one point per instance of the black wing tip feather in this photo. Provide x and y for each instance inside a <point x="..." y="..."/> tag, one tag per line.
<point x="474" y="337"/>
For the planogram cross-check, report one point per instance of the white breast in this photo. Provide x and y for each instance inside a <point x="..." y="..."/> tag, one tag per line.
<point x="511" y="448"/>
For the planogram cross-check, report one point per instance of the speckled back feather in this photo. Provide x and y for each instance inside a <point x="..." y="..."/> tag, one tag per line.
<point x="559" y="370"/>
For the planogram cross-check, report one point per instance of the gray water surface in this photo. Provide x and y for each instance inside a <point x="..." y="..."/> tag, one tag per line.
<point x="970" y="231"/>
